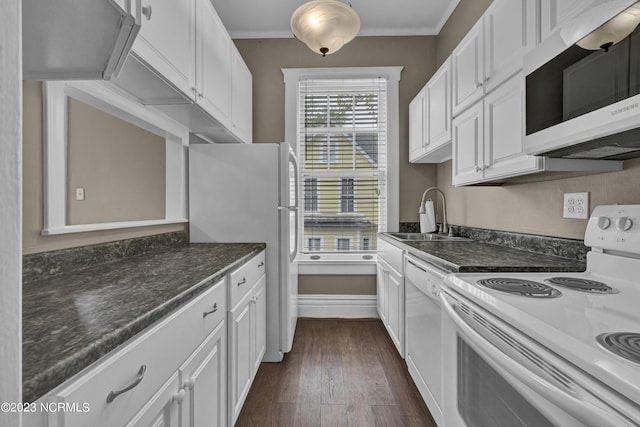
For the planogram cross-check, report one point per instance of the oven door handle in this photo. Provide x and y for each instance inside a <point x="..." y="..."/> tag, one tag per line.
<point x="580" y="409"/>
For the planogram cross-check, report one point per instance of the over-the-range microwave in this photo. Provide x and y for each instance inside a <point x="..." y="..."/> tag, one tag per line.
<point x="582" y="90"/>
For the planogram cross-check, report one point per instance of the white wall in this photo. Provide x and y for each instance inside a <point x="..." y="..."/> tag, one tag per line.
<point x="10" y="208"/>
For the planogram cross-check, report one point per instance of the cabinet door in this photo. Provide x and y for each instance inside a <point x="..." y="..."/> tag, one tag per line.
<point x="504" y="132"/>
<point x="163" y="408"/>
<point x="468" y="69"/>
<point x="509" y="31"/>
<point x="439" y="109"/>
<point x="204" y="378"/>
<point x="213" y="59"/>
<point x="417" y="135"/>
<point x="240" y="355"/>
<point x="165" y="41"/>
<point x="259" y="323"/>
<point x="242" y="98"/>
<point x="395" y="289"/>
<point x="468" y="135"/>
<point x="381" y="292"/>
<point x="553" y="13"/>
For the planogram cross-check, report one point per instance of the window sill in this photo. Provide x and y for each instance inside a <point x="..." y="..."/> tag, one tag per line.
<point x="334" y="264"/>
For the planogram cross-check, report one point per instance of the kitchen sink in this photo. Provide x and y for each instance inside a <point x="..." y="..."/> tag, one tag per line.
<point x="425" y="237"/>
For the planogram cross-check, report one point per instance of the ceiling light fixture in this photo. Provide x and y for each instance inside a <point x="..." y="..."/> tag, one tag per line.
<point x="325" y="25"/>
<point x="612" y="31"/>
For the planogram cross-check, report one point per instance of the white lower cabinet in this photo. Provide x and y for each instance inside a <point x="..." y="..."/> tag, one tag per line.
<point x="247" y="344"/>
<point x="203" y="378"/>
<point x="390" y="292"/>
<point x="178" y="372"/>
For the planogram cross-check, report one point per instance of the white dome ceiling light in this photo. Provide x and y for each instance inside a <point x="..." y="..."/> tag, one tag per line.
<point x="325" y="25"/>
<point x="613" y="31"/>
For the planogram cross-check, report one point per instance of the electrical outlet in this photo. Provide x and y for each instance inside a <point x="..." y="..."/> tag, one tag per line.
<point x="576" y="205"/>
<point x="79" y="193"/>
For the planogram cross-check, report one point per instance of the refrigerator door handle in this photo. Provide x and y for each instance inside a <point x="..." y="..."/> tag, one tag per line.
<point x="294" y="162"/>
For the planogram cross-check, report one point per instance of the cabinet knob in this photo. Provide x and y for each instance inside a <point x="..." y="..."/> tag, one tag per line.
<point x="188" y="384"/>
<point x="146" y="11"/>
<point x="179" y="396"/>
<point x="478" y="168"/>
<point x="200" y="94"/>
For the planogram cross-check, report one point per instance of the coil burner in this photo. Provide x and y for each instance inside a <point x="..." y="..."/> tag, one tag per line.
<point x="624" y="344"/>
<point x="522" y="287"/>
<point x="582" y="285"/>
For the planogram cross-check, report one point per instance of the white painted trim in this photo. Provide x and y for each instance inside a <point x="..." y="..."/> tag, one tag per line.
<point x="337" y="306"/>
<point x="81" y="228"/>
<point x="345" y="267"/>
<point x="111" y="100"/>
<point x="10" y="210"/>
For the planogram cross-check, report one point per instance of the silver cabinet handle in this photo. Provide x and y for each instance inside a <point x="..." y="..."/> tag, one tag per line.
<point x="261" y="264"/>
<point x="215" y="308"/>
<point x="242" y="282"/>
<point x="478" y="168"/>
<point x="146" y="11"/>
<point x="113" y="394"/>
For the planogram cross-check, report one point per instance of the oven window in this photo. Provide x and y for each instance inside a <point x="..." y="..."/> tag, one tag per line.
<point x="485" y="399"/>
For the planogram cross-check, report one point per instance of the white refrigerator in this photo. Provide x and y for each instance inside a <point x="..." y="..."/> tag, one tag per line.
<point x="249" y="193"/>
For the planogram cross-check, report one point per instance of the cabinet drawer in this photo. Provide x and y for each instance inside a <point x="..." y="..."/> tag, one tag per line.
<point x="242" y="280"/>
<point x="156" y="349"/>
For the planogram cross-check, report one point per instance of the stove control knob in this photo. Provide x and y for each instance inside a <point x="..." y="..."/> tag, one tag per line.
<point x="624" y="223"/>
<point x="603" y="222"/>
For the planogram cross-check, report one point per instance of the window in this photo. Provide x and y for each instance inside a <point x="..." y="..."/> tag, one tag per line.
<point x="347" y="193"/>
<point x="342" y="137"/>
<point x="311" y="195"/>
<point x="343" y="244"/>
<point x="366" y="243"/>
<point x="345" y="125"/>
<point x="314" y="244"/>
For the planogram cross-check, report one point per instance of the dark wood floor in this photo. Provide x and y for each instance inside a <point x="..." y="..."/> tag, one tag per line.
<point x="339" y="373"/>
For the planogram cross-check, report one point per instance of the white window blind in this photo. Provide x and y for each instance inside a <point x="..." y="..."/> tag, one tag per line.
<point x="342" y="140"/>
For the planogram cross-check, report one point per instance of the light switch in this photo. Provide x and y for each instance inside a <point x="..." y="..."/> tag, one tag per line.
<point x="79" y="193"/>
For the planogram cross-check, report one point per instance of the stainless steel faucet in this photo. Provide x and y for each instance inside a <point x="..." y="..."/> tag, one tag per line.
<point x="445" y="226"/>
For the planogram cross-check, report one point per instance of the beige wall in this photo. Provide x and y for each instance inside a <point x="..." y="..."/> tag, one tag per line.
<point x="136" y="205"/>
<point x="121" y="167"/>
<point x="266" y="57"/>
<point x="536" y="207"/>
<point x="337" y="285"/>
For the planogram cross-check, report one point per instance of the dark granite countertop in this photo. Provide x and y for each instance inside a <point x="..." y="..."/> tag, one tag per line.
<point x="465" y="256"/>
<point x="73" y="319"/>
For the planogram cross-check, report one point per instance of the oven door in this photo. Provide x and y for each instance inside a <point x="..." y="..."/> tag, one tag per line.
<point x="499" y="377"/>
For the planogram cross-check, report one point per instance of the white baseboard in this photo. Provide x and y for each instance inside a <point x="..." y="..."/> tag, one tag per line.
<point x="338" y="306"/>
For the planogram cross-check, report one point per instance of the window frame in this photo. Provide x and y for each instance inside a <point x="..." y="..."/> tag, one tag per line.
<point x="352" y="263"/>
<point x="337" y="240"/>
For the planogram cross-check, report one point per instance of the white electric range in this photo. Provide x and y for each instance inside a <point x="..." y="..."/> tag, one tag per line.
<point x="557" y="349"/>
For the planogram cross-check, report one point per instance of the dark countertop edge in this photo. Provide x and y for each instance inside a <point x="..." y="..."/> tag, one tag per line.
<point x="69" y="367"/>
<point x="454" y="268"/>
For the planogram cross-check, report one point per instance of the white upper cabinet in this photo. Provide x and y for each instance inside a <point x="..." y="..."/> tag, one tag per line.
<point x="468" y="145"/>
<point x="417" y="118"/>
<point x="439" y="110"/>
<point x="184" y="64"/>
<point x="213" y="63"/>
<point x="488" y="138"/>
<point x="165" y="42"/>
<point x="467" y="62"/>
<point x="553" y="13"/>
<point x="509" y="32"/>
<point x="242" y="98"/>
<point x="430" y="119"/>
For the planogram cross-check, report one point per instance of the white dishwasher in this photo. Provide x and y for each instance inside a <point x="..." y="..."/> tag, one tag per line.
<point x="423" y="332"/>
